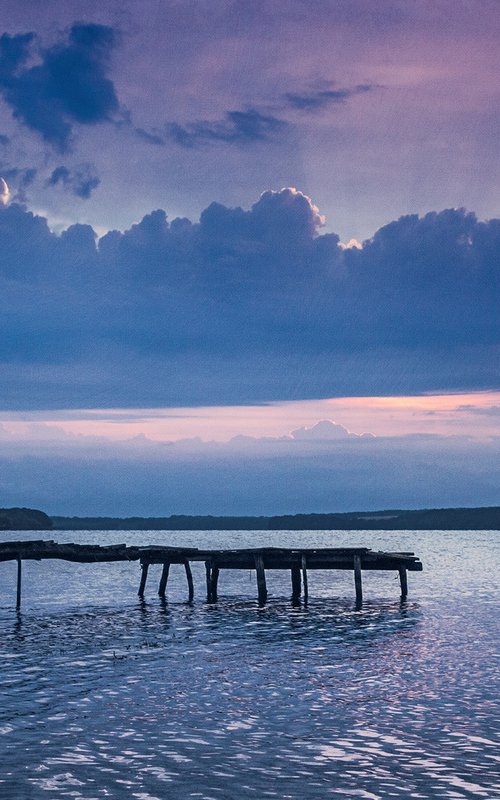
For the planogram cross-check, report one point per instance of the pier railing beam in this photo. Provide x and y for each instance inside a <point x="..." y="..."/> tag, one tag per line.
<point x="19" y="576"/>
<point x="144" y="577"/>
<point x="403" y="579"/>
<point x="261" y="579"/>
<point x="296" y="583"/>
<point x="164" y="578"/>
<point x="357" y="580"/>
<point x="304" y="577"/>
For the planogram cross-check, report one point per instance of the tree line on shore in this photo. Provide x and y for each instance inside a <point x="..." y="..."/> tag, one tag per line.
<point x="487" y="518"/>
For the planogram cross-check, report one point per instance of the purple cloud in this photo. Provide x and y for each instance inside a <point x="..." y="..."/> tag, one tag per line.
<point x="68" y="85"/>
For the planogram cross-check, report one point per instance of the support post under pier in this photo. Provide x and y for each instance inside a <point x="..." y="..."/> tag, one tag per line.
<point x="214" y="579"/>
<point x="261" y="579"/>
<point x="144" y="577"/>
<point x="208" y="571"/>
<point x="189" y="576"/>
<point x="164" y="578"/>
<point x="296" y="583"/>
<point x="357" y="580"/>
<point x="19" y="575"/>
<point x="304" y="578"/>
<point x="403" y="579"/>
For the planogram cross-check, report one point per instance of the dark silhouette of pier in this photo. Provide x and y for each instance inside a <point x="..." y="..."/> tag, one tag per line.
<point x="298" y="561"/>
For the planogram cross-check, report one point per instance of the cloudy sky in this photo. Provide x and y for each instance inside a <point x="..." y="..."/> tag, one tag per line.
<point x="222" y="222"/>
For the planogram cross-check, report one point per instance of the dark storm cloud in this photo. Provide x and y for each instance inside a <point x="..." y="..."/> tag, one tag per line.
<point x="68" y="84"/>
<point x="245" y="306"/>
<point x="81" y="181"/>
<point x="237" y="127"/>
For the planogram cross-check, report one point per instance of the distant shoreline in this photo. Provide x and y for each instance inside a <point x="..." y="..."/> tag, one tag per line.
<point x="458" y="519"/>
<point x="484" y="518"/>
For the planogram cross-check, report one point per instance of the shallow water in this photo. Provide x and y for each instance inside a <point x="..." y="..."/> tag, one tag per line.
<point x="107" y="696"/>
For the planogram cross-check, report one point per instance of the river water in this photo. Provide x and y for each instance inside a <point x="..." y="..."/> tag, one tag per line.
<point x="104" y="696"/>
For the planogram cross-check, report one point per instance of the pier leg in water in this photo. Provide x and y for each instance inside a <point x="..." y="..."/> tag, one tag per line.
<point x="19" y="575"/>
<point x="214" y="578"/>
<point x="144" y="577"/>
<point x="296" y="584"/>
<point x="357" y="580"/>
<point x="261" y="580"/>
<point x="164" y="578"/>
<point x="189" y="576"/>
<point x="403" y="579"/>
<point x="304" y="578"/>
<point x="208" y="570"/>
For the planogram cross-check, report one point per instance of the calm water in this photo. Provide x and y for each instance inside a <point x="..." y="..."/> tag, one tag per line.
<point x="105" y="696"/>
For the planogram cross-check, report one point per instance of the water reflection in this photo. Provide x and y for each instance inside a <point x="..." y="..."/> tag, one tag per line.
<point x="157" y="698"/>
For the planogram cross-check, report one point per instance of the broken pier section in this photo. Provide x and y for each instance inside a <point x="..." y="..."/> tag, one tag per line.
<point x="298" y="561"/>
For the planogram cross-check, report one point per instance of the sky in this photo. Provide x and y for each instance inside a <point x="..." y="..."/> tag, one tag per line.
<point x="223" y="223"/>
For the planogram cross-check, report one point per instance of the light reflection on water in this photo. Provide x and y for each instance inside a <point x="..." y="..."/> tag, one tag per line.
<point x="106" y="696"/>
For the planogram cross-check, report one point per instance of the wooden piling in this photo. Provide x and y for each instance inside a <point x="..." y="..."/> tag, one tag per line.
<point x="164" y="578"/>
<point x="304" y="577"/>
<point x="296" y="582"/>
<point x="261" y="579"/>
<point x="403" y="579"/>
<point x="208" y="572"/>
<point x="189" y="576"/>
<point x="19" y="576"/>
<point x="144" y="577"/>
<point x="214" y="578"/>
<point x="357" y="580"/>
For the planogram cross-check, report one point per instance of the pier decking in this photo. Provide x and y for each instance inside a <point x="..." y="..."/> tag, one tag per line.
<point x="298" y="561"/>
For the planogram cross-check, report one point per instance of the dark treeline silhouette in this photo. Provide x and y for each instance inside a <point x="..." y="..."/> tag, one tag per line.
<point x="24" y="519"/>
<point x="426" y="519"/>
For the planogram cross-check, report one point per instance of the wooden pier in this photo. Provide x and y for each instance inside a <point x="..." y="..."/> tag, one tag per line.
<point x="298" y="561"/>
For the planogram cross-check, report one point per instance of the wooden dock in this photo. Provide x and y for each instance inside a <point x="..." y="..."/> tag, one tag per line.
<point x="298" y="561"/>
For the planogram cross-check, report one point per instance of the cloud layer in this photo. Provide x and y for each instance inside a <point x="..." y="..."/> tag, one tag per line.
<point x="245" y="306"/>
<point x="89" y="476"/>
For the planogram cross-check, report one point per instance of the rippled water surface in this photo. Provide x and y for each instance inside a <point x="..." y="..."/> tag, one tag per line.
<point x="106" y="696"/>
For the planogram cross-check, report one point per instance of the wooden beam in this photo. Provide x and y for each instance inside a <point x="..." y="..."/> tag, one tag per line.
<point x="403" y="579"/>
<point x="144" y="577"/>
<point x="304" y="577"/>
<point x="357" y="580"/>
<point x="296" y="583"/>
<point x="261" y="579"/>
<point x="164" y="578"/>
<point x="19" y="576"/>
<point x="189" y="576"/>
